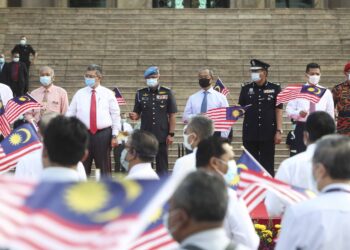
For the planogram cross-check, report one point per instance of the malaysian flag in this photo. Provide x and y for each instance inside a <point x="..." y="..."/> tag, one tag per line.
<point x="5" y="128"/>
<point x="220" y="87"/>
<point x="20" y="142"/>
<point x="255" y="194"/>
<point x="120" y="98"/>
<point x="19" y="105"/>
<point x="308" y="92"/>
<point x="156" y="236"/>
<point x="254" y="186"/>
<point x="225" y="117"/>
<point x="105" y="215"/>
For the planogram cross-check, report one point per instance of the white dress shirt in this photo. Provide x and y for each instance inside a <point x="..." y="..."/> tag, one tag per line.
<point x="322" y="223"/>
<point x="296" y="171"/>
<point x="238" y="224"/>
<point x="31" y="166"/>
<point x="126" y="127"/>
<point x="107" y="108"/>
<point x="59" y="174"/>
<point x="185" y="164"/>
<point x="143" y="171"/>
<point x="214" y="100"/>
<point x="326" y="104"/>
<point x="5" y="93"/>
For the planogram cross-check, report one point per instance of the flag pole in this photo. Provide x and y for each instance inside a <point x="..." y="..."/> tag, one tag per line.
<point x="255" y="161"/>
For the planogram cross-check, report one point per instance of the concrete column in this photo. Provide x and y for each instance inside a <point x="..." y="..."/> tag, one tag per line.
<point x="3" y="3"/>
<point x="134" y="4"/>
<point x="37" y="3"/>
<point x="260" y="4"/>
<point x="61" y="3"/>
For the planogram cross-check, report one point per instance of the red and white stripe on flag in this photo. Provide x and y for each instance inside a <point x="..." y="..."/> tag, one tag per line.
<point x="253" y="186"/>
<point x="13" y="110"/>
<point x="289" y="93"/>
<point x="121" y="101"/>
<point x="218" y="116"/>
<point x="157" y="238"/>
<point x="8" y="161"/>
<point x="5" y="128"/>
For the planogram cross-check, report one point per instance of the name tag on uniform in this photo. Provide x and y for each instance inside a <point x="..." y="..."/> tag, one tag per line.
<point x="162" y="97"/>
<point x="162" y="92"/>
<point x="144" y="98"/>
<point x="267" y="91"/>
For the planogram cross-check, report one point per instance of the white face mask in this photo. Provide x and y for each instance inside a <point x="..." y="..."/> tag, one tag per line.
<point x="152" y="82"/>
<point x="255" y="77"/>
<point x="16" y="59"/>
<point x="23" y="41"/>
<point x="123" y="120"/>
<point x="123" y="160"/>
<point x="231" y="172"/>
<point x="186" y="143"/>
<point x="2" y="60"/>
<point x="314" y="79"/>
<point x="348" y="77"/>
<point x="45" y="80"/>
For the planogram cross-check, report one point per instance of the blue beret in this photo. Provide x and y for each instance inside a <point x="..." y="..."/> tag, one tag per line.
<point x="153" y="70"/>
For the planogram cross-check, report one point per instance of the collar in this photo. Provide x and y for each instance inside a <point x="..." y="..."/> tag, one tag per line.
<point x="210" y="90"/>
<point x="340" y="186"/>
<point x="97" y="89"/>
<point x="311" y="147"/>
<point x="140" y="167"/>
<point x="263" y="86"/>
<point x="154" y="90"/>
<point x="56" y="173"/>
<point x="317" y="85"/>
<point x="205" y="239"/>
<point x="42" y="88"/>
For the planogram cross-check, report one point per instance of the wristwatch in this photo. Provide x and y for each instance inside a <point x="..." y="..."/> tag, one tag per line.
<point x="171" y="134"/>
<point x="279" y="130"/>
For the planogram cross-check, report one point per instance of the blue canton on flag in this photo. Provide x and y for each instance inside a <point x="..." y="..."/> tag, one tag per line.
<point x="20" y="142"/>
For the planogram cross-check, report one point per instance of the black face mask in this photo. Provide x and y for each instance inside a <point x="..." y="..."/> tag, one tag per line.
<point x="203" y="82"/>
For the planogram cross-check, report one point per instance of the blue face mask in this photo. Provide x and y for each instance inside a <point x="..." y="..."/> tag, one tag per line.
<point x="2" y="60"/>
<point x="90" y="82"/>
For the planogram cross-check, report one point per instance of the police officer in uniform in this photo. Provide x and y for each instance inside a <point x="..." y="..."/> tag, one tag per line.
<point x="262" y="126"/>
<point x="156" y="106"/>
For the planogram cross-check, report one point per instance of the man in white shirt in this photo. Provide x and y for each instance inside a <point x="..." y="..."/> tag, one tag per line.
<point x="141" y="149"/>
<point x="97" y="107"/>
<point x="5" y="93"/>
<point x="216" y="155"/>
<point x="322" y="223"/>
<point x="65" y="144"/>
<point x="299" y="109"/>
<point x="297" y="170"/>
<point x="205" y="99"/>
<point x="31" y="166"/>
<point x="199" y="128"/>
<point x="196" y="213"/>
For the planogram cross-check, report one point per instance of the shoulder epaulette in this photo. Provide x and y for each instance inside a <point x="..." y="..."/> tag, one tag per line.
<point x="245" y="84"/>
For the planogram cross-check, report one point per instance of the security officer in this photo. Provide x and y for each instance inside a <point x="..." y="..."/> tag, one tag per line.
<point x="262" y="126"/>
<point x="157" y="108"/>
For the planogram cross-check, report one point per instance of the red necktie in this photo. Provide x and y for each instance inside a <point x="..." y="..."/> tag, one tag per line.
<point x="93" y="123"/>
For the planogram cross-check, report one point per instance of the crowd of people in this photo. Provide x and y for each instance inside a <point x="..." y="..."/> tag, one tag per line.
<point x="204" y="212"/>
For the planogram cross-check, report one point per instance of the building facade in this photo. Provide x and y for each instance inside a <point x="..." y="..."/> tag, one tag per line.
<point x="142" y="4"/>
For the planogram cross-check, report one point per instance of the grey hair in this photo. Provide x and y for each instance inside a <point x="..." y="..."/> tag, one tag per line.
<point x="96" y="67"/>
<point x="202" y="126"/>
<point x="203" y="195"/>
<point x="47" y="68"/>
<point x="333" y="152"/>
<point x="211" y="73"/>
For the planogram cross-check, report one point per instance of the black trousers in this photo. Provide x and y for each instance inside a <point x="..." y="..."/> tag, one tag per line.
<point x="263" y="152"/>
<point x="299" y="137"/>
<point x="100" y="152"/>
<point x="162" y="159"/>
<point x="117" y="153"/>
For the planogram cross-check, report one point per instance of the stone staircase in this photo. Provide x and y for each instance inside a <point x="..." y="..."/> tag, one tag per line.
<point x="125" y="42"/>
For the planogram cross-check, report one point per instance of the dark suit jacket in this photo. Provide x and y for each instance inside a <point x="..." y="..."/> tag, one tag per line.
<point x="3" y="74"/>
<point x="21" y="87"/>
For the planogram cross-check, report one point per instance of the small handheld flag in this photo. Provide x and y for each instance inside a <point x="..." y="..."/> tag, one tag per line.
<point x="220" y="87"/>
<point x="225" y="117"/>
<point x="120" y="98"/>
<point x="308" y="92"/>
<point x="19" y="105"/>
